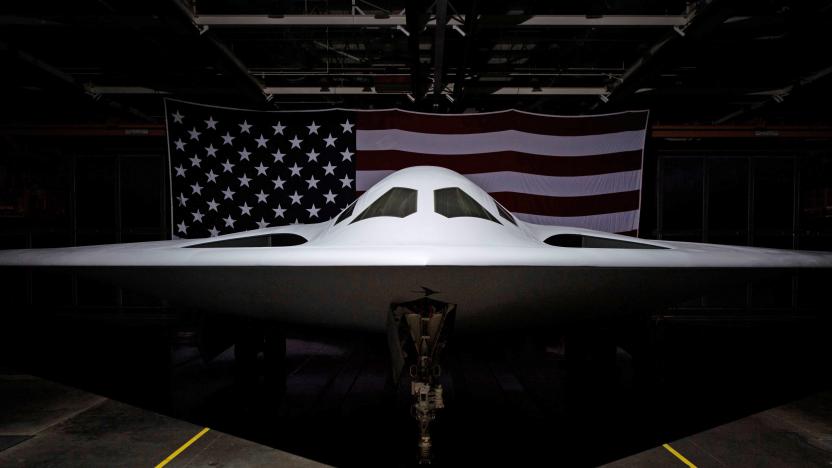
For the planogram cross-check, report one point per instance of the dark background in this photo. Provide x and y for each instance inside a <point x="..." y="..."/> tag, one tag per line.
<point x="739" y="152"/>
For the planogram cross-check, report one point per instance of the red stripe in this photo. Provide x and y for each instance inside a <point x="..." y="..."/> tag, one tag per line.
<point x="568" y="206"/>
<point x="508" y="120"/>
<point x="503" y="161"/>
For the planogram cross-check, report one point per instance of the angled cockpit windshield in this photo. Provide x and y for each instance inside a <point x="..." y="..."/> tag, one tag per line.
<point x="452" y="202"/>
<point x="346" y="213"/>
<point x="398" y="201"/>
<point x="505" y="213"/>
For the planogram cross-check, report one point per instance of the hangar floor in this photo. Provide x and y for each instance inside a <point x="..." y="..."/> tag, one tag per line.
<point x="48" y="424"/>
<point x="516" y="402"/>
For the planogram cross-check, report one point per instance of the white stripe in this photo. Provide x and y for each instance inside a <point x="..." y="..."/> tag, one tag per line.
<point x="532" y="184"/>
<point x="506" y="140"/>
<point x="609" y="222"/>
<point x="366" y="179"/>
<point x="553" y="186"/>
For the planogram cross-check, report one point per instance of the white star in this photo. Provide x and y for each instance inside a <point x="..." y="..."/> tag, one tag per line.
<point x="278" y="156"/>
<point x="261" y="142"/>
<point x="212" y="205"/>
<point x="330" y="197"/>
<point x="211" y="176"/>
<point x="182" y="199"/>
<point x="211" y="150"/>
<point x="194" y="134"/>
<point x="330" y="141"/>
<point x="226" y="166"/>
<point x="177" y="117"/>
<point x="261" y="169"/>
<point x="313" y="156"/>
<point x="346" y="181"/>
<point x="244" y="127"/>
<point x="313" y="128"/>
<point x="347" y="126"/>
<point x="262" y="223"/>
<point x="246" y="210"/>
<point x="214" y="231"/>
<point x="227" y="139"/>
<point x="329" y="169"/>
<point x="296" y="198"/>
<point x="295" y="170"/>
<point x="197" y="216"/>
<point x="313" y="212"/>
<point x="195" y="161"/>
<point x="244" y="180"/>
<point x="229" y="221"/>
<point x="347" y="155"/>
<point x="312" y="181"/>
<point x="197" y="189"/>
<point x="229" y="194"/>
<point x="278" y="129"/>
<point x="261" y="197"/>
<point x="296" y="142"/>
<point x="278" y="212"/>
<point x="180" y="171"/>
<point x="244" y="154"/>
<point x="211" y="123"/>
<point x="296" y="221"/>
<point x="278" y="183"/>
<point x="182" y="227"/>
<point x="180" y="145"/>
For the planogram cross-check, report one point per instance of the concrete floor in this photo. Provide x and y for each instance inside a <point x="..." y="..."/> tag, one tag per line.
<point x="798" y="434"/>
<point x="507" y="403"/>
<point x="47" y="424"/>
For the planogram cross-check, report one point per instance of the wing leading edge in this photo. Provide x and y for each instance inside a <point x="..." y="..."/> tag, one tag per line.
<point x="346" y="274"/>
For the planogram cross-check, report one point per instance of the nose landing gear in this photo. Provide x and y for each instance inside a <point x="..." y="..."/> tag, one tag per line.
<point x="417" y="332"/>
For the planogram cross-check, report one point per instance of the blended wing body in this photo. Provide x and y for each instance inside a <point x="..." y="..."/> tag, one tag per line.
<point x="421" y="227"/>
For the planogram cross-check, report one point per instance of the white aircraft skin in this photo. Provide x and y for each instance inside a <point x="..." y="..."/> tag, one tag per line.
<point x="348" y="274"/>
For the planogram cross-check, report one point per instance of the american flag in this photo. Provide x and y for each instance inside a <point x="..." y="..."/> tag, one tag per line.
<point x="234" y="170"/>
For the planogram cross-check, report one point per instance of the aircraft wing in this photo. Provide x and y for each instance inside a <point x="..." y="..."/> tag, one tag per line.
<point x="347" y="272"/>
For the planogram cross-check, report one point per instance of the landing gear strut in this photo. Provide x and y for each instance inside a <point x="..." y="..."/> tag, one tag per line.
<point x="417" y="332"/>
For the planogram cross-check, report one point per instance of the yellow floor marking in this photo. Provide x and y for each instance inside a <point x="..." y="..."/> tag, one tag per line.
<point x="182" y="448"/>
<point x="679" y="455"/>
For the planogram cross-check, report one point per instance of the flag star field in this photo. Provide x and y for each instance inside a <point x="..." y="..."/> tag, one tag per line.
<point x="234" y="170"/>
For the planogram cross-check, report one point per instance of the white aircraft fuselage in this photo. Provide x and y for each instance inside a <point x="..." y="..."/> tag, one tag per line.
<point x="500" y="271"/>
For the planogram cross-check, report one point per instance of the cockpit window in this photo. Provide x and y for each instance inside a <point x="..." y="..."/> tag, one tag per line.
<point x="505" y="213"/>
<point x="452" y="202"/>
<point x="346" y="213"/>
<point x="398" y="201"/>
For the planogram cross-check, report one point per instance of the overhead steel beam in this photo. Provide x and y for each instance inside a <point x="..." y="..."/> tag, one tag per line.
<point x="552" y="90"/>
<point x="739" y="131"/>
<point x="468" y="30"/>
<point x="123" y="90"/>
<point x="776" y="95"/>
<point x="504" y="91"/>
<point x="70" y="82"/>
<point x="439" y="50"/>
<point x="83" y="130"/>
<point x="252" y="86"/>
<point x="401" y="20"/>
<point x="698" y="23"/>
<point x="416" y="19"/>
<point x="314" y="90"/>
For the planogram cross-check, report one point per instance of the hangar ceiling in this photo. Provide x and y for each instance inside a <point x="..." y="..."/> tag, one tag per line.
<point x="708" y="62"/>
